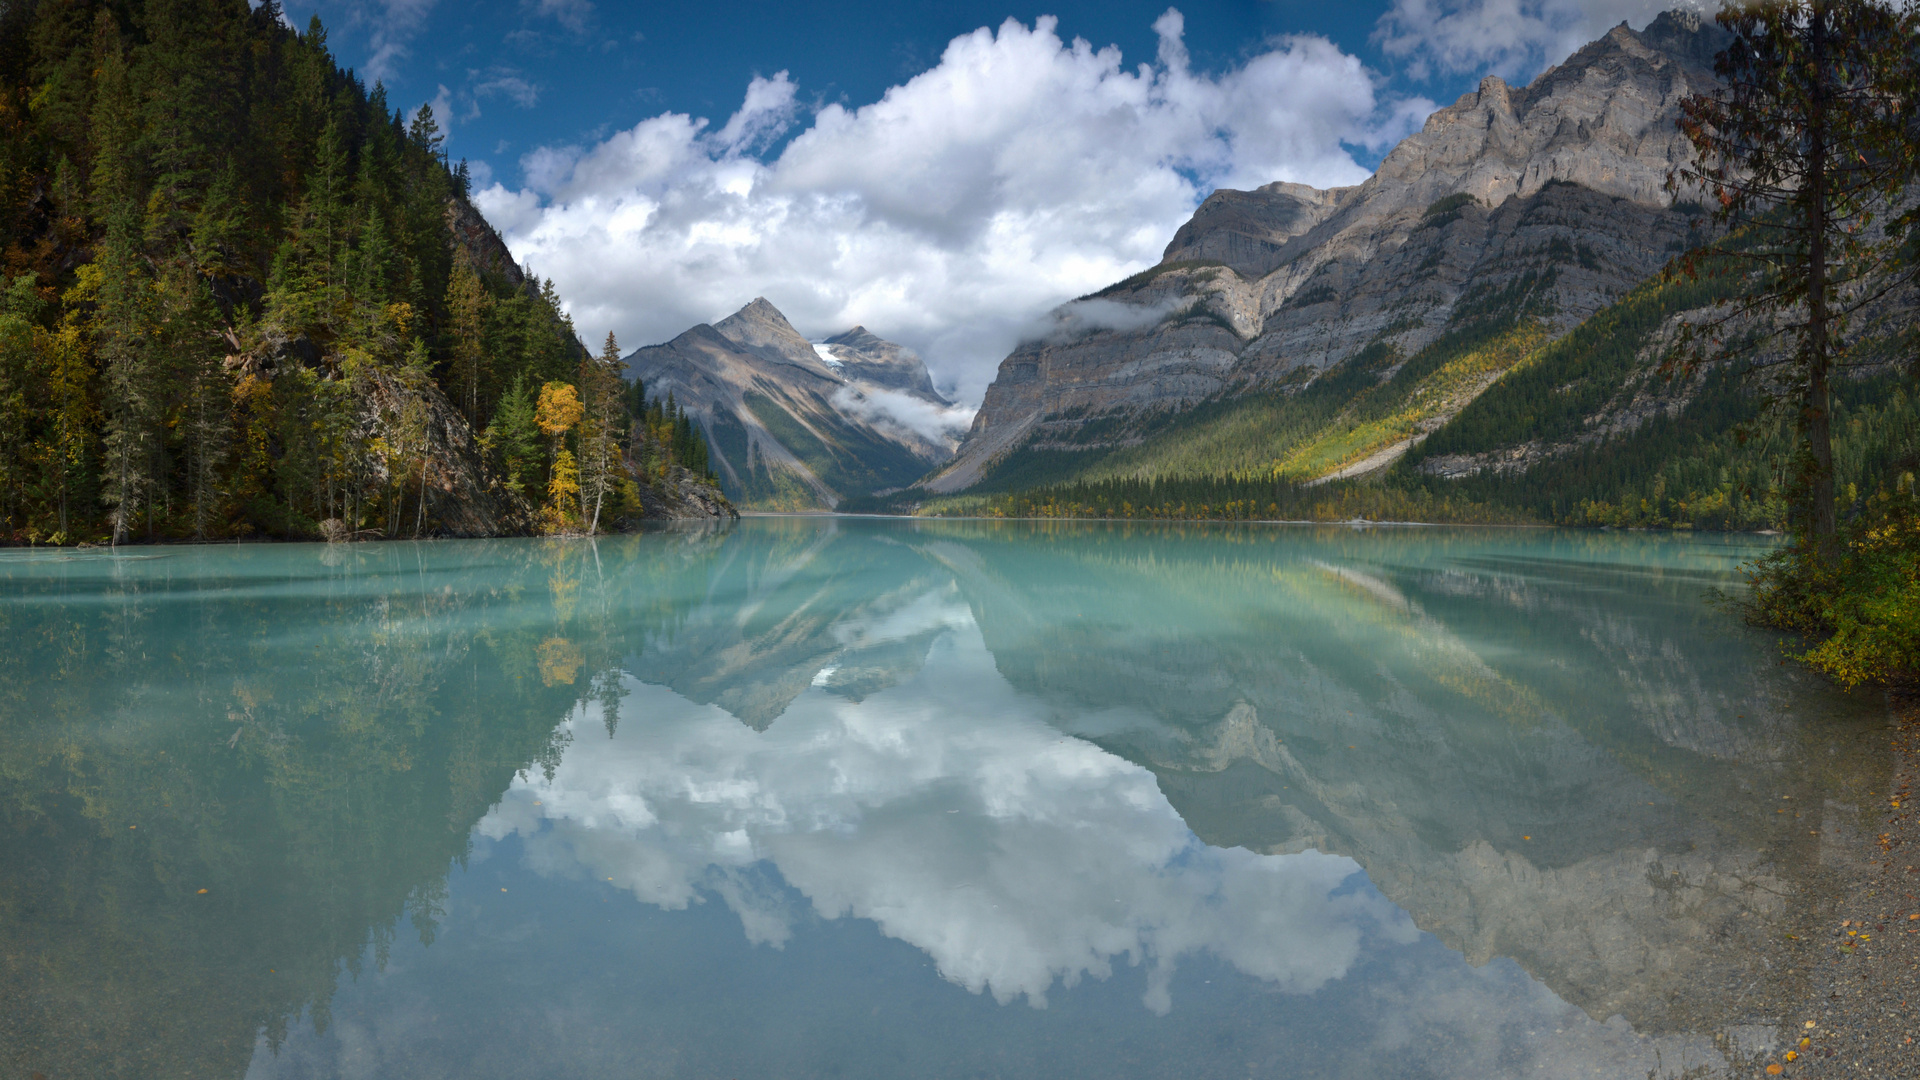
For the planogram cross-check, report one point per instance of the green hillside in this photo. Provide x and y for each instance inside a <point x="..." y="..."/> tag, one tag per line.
<point x="243" y="294"/>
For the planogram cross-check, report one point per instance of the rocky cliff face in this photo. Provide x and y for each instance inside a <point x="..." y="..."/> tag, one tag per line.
<point x="1544" y="202"/>
<point x="795" y="426"/>
<point x="1248" y="230"/>
<point x="458" y="495"/>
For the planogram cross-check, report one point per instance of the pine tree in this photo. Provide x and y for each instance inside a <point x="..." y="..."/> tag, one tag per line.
<point x="1803" y="148"/>
<point x="467" y="304"/>
<point x="515" y="437"/>
<point x="121" y="317"/>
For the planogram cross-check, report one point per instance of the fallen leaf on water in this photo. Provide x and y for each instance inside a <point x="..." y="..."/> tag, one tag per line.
<point x="1526" y="838"/>
<point x="202" y="892"/>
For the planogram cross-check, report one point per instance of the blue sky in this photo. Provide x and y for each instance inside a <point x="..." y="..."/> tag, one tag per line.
<point x="516" y="75"/>
<point x="944" y="173"/>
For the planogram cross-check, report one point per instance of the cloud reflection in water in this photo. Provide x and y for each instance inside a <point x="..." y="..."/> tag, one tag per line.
<point x="949" y="812"/>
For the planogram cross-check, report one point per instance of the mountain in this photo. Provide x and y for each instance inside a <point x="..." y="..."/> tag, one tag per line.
<point x="796" y="426"/>
<point x="1324" y="329"/>
<point x="861" y="355"/>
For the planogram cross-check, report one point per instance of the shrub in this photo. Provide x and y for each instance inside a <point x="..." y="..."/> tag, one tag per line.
<point x="1860" y="605"/>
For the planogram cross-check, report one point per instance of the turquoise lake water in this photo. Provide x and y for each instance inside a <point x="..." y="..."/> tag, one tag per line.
<point x="857" y="798"/>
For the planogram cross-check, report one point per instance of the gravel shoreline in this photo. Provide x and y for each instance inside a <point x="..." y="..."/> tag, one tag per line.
<point x="1856" y="1012"/>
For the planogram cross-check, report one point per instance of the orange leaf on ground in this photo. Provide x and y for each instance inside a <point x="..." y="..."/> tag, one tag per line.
<point x="1774" y="1070"/>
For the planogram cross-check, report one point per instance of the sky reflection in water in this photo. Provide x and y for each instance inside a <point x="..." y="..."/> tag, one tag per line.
<point x="879" y="799"/>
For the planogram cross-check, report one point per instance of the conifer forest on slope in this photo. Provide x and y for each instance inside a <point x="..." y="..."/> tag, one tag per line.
<point x="244" y="297"/>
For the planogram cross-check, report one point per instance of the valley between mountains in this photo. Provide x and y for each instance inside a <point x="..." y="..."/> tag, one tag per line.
<point x="1478" y="332"/>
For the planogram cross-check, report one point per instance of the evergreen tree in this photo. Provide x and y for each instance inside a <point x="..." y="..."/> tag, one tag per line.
<point x="606" y="416"/>
<point x="467" y="304"/>
<point x="1803" y="147"/>
<point x="515" y="437"/>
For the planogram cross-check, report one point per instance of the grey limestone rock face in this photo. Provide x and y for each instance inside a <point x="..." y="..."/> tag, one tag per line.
<point x="1247" y="230"/>
<point x="1556" y="189"/>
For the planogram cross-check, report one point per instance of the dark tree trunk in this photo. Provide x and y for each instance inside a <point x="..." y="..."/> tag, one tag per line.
<point x="1816" y="416"/>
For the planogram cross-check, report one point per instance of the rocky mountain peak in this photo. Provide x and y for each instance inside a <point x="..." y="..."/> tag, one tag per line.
<point x="1603" y="119"/>
<point x="858" y="338"/>
<point x="760" y="329"/>
<point x="868" y="357"/>
<point x="787" y="429"/>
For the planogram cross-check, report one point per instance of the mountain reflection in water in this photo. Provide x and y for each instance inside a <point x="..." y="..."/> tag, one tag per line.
<point x="1164" y="799"/>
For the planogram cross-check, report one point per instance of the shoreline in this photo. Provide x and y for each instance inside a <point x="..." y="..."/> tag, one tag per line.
<point x="651" y="524"/>
<point x="1859" y="1011"/>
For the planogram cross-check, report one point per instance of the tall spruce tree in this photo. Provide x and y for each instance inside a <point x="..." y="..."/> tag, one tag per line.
<point x="1804" y="149"/>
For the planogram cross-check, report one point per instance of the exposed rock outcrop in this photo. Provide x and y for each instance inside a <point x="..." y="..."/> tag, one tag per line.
<point x="1247" y="230"/>
<point x="469" y="230"/>
<point x="1549" y="198"/>
<point x="447" y="488"/>
<point x="678" y="496"/>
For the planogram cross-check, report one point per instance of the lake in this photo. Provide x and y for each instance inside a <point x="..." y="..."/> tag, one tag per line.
<point x="830" y="797"/>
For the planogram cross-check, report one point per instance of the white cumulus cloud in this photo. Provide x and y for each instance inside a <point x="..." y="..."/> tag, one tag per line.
<point x="1513" y="38"/>
<point x="1020" y="171"/>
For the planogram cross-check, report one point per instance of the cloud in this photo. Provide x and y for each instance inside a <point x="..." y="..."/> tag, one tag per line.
<point x="892" y="408"/>
<point x="395" y="22"/>
<point x="948" y="812"/>
<point x="572" y="14"/>
<point x="1082" y="317"/>
<point x="1513" y="38"/>
<point x="442" y="106"/>
<point x="508" y="83"/>
<point x="1019" y="171"/>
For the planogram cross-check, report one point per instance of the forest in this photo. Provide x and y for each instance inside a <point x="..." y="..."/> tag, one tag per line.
<point x="244" y="296"/>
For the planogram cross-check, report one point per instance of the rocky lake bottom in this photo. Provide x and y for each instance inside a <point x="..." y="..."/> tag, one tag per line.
<point x="831" y="797"/>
